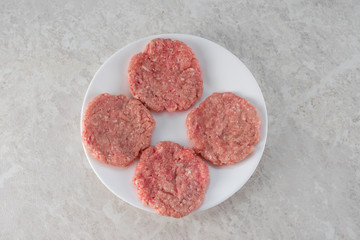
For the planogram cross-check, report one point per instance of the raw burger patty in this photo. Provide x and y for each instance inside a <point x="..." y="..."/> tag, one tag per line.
<point x="171" y="179"/>
<point x="224" y="128"/>
<point x="165" y="76"/>
<point x="116" y="129"/>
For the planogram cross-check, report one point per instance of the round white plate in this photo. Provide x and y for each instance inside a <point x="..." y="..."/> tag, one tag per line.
<point x="222" y="72"/>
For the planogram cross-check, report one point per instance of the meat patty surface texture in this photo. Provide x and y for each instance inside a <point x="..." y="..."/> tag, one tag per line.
<point x="224" y="128"/>
<point x="116" y="129"/>
<point x="166" y="76"/>
<point x="171" y="179"/>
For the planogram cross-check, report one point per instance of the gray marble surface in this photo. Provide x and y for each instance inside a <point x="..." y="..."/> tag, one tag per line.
<point x="305" y="56"/>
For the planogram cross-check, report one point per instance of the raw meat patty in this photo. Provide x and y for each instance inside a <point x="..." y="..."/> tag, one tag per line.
<point x="171" y="179"/>
<point x="224" y="128"/>
<point x="165" y="76"/>
<point x="116" y="129"/>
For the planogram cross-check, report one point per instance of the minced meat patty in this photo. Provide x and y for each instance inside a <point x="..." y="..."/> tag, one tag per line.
<point x="166" y="76"/>
<point x="116" y="129"/>
<point x="171" y="179"/>
<point x="224" y="128"/>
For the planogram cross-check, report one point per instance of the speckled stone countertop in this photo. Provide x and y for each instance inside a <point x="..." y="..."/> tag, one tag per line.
<point x="305" y="56"/>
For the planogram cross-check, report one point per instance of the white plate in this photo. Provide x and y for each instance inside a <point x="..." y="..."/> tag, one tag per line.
<point x="221" y="71"/>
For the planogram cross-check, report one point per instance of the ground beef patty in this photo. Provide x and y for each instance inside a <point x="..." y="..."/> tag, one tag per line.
<point x="165" y="76"/>
<point x="224" y="128"/>
<point x="171" y="179"/>
<point x="116" y="129"/>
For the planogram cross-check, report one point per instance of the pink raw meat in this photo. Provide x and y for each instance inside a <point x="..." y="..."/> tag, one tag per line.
<point x="165" y="76"/>
<point x="224" y="128"/>
<point x="171" y="179"/>
<point x="116" y="129"/>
